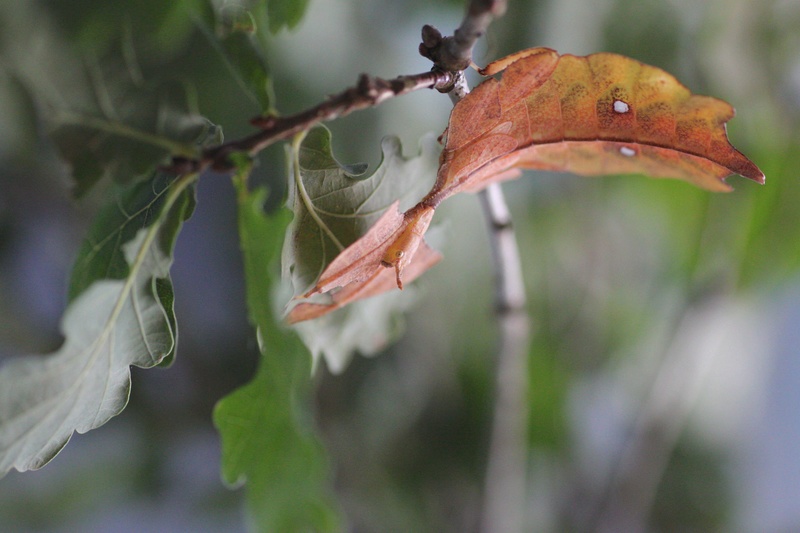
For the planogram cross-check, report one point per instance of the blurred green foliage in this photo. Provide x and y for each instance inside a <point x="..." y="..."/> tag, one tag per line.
<point x="613" y="265"/>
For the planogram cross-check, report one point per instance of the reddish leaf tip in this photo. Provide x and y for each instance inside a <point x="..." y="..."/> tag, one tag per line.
<point x="756" y="176"/>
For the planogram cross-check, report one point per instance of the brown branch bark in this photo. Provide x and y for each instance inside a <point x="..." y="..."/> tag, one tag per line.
<point x="455" y="53"/>
<point x="368" y="92"/>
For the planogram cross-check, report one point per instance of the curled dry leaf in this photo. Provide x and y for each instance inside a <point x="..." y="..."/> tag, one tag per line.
<point x="392" y="251"/>
<point x="594" y="115"/>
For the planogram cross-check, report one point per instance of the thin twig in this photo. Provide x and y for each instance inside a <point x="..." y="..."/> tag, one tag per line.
<point x="506" y="473"/>
<point x="368" y="92"/>
<point x="450" y="55"/>
<point x="510" y="284"/>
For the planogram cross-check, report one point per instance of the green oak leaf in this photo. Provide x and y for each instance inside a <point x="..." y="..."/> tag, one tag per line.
<point x="333" y="206"/>
<point x="18" y="134"/>
<point x="245" y="59"/>
<point x="108" y="326"/>
<point x="267" y="440"/>
<point x="161" y="29"/>
<point x="132" y="208"/>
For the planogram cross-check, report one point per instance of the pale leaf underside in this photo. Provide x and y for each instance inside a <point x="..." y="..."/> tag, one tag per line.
<point x="108" y="326"/>
<point x="334" y="204"/>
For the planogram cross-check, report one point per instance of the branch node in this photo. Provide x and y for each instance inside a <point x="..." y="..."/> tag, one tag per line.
<point x="264" y="122"/>
<point x="397" y="86"/>
<point x="181" y="165"/>
<point x="455" y="53"/>
<point x="431" y="37"/>
<point x="365" y="86"/>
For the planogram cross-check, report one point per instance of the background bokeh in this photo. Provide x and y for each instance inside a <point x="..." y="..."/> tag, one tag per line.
<point x="664" y="370"/>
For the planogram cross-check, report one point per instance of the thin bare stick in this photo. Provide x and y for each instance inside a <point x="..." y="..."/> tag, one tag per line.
<point x="368" y="92"/>
<point x="506" y="473"/>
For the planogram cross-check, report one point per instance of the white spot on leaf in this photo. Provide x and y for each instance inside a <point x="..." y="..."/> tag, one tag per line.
<point x="627" y="152"/>
<point x="620" y="106"/>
